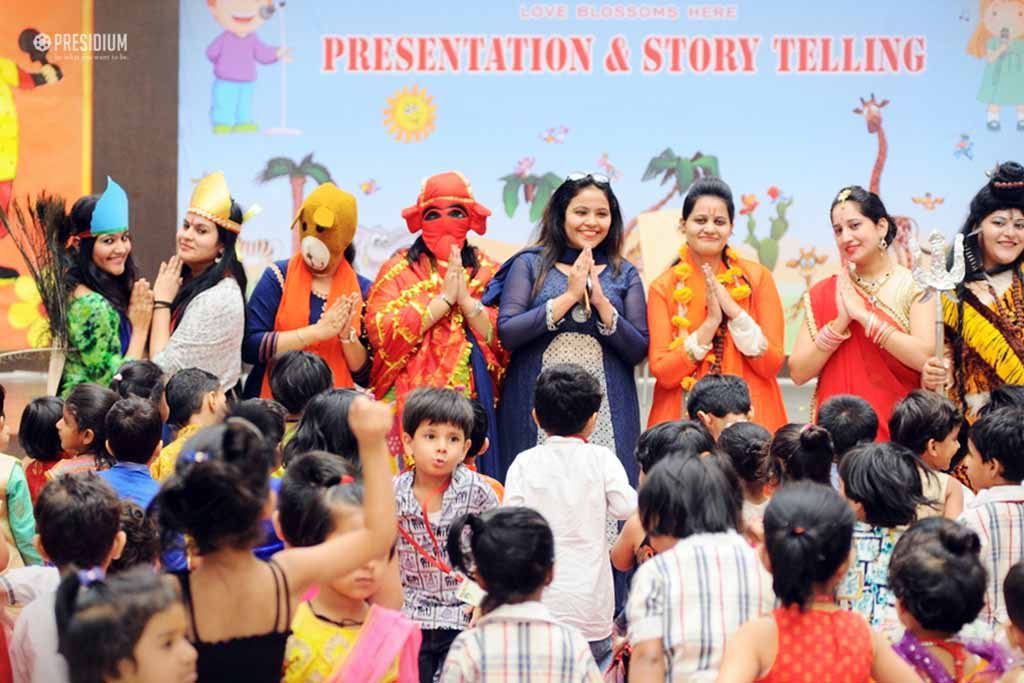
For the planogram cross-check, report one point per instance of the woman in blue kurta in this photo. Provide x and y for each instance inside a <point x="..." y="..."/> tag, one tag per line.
<point x="572" y="298"/>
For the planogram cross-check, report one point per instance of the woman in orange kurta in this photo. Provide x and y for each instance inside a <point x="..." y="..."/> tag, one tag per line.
<point x="737" y="331"/>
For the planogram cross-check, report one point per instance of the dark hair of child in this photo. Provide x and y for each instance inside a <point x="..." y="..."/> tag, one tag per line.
<point x="1013" y="592"/>
<point x="218" y="491"/>
<point x="999" y="436"/>
<point x="134" y="429"/>
<point x="37" y="434"/>
<point x="884" y="478"/>
<point x="849" y="420"/>
<point x="565" y="398"/>
<point x="922" y="416"/>
<point x="808" y="532"/>
<point x="685" y="496"/>
<point x="511" y="551"/>
<point x="324" y="427"/>
<point x="142" y="378"/>
<point x="678" y="437"/>
<point x="142" y="539"/>
<point x="185" y="392"/>
<point x="937" y="575"/>
<point x="802" y="452"/>
<point x="296" y="377"/>
<point x="312" y="483"/>
<point x="89" y="404"/>
<point x="1003" y="396"/>
<point x="746" y="446"/>
<point x="77" y="519"/>
<point x="481" y="426"/>
<point x="437" y="406"/>
<point x="99" y="622"/>
<point x="718" y="395"/>
<point x="266" y="415"/>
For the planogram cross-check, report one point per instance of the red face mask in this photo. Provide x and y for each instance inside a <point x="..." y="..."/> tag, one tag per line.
<point x="443" y="227"/>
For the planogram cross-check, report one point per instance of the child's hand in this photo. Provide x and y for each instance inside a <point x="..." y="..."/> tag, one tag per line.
<point x="370" y="420"/>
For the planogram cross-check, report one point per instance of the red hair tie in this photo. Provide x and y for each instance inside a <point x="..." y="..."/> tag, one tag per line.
<point x="348" y="479"/>
<point x="799" y="530"/>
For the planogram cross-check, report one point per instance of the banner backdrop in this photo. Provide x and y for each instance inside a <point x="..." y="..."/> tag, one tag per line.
<point x="787" y="101"/>
<point x="45" y="135"/>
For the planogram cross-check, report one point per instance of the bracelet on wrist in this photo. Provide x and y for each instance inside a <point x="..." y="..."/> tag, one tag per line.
<point x="350" y="338"/>
<point x="444" y="297"/>
<point x="157" y="305"/>
<point x="159" y="302"/>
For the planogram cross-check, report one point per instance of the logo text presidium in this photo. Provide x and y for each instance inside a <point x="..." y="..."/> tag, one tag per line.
<point x="85" y="42"/>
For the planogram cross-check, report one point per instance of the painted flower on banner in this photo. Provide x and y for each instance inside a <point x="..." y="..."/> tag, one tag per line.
<point x="27" y="313"/>
<point x="410" y="115"/>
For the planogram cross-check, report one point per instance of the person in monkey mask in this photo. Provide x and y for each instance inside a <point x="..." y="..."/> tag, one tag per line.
<point x="313" y="300"/>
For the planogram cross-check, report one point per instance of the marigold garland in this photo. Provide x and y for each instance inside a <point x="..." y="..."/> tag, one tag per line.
<point x="683" y="295"/>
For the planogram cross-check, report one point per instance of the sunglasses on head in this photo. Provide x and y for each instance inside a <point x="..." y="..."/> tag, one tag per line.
<point x="597" y="178"/>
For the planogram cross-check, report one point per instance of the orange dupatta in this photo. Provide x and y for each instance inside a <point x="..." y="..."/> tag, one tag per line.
<point x="293" y="313"/>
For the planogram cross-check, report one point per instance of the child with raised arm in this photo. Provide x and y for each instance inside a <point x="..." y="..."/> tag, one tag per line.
<point x="240" y="607"/>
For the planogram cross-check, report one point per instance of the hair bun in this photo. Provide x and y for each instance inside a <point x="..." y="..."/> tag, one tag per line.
<point x="813" y="437"/>
<point x="1008" y="178"/>
<point x="959" y="539"/>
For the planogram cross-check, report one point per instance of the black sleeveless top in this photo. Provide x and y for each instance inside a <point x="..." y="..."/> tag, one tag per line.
<point x="254" y="659"/>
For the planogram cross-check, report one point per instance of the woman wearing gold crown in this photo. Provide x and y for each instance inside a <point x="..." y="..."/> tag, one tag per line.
<point x="866" y="330"/>
<point x="199" y="293"/>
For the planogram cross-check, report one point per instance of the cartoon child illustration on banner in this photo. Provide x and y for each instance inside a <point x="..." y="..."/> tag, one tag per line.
<point x="234" y="54"/>
<point x="13" y="76"/>
<point x="999" y="40"/>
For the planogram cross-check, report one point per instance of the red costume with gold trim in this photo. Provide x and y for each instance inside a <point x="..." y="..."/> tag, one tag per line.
<point x="442" y="356"/>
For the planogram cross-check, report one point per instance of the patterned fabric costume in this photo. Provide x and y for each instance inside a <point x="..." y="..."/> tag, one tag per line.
<point x="284" y="299"/>
<point x="985" y="330"/>
<point x="449" y="353"/>
<point x="859" y="366"/>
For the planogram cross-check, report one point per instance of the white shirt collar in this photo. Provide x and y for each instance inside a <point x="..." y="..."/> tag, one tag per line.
<point x="1007" y="493"/>
<point x="522" y="611"/>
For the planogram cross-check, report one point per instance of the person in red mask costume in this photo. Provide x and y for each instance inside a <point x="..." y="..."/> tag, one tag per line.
<point x="424" y="317"/>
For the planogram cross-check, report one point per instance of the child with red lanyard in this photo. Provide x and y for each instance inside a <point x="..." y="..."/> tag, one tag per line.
<point x="436" y="424"/>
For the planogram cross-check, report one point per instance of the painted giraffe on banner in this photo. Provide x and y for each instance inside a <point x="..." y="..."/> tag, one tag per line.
<point x="906" y="228"/>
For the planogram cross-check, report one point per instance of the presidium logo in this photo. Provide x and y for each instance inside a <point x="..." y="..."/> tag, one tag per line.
<point x="78" y="46"/>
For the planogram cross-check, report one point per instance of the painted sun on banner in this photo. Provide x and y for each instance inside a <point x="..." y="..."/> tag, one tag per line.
<point x="411" y="115"/>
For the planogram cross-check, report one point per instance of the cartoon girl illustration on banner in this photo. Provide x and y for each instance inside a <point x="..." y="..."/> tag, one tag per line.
<point x="999" y="40"/>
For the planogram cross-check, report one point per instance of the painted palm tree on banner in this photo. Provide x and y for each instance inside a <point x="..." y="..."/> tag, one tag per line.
<point x="297" y="174"/>
<point x="681" y="171"/>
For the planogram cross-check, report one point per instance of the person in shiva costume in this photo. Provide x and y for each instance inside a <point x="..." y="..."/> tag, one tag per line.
<point x="312" y="301"/>
<point x="425" y="319"/>
<point x="234" y="54"/>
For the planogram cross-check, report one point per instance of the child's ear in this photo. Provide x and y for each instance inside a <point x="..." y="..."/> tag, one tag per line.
<point x="275" y="520"/>
<point x="591" y="425"/>
<point x="38" y="543"/>
<point x="485" y="447"/>
<point x="705" y="418"/>
<point x="533" y="414"/>
<point x="466" y="445"/>
<point x="110" y="450"/>
<point x="210" y="402"/>
<point x="117" y="547"/>
<point x="550" y="577"/>
<point x="87" y="436"/>
<point x="407" y="443"/>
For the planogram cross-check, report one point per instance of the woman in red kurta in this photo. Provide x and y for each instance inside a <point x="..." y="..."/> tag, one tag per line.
<point x="866" y="330"/>
<point x="738" y="330"/>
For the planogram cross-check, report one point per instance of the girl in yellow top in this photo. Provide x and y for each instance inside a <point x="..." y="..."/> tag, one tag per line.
<point x="337" y="634"/>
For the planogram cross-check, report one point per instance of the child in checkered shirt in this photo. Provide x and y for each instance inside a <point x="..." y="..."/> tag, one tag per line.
<point x="995" y="468"/>
<point x="512" y="555"/>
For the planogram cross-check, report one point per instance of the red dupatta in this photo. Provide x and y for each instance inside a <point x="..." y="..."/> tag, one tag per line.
<point x="859" y="366"/>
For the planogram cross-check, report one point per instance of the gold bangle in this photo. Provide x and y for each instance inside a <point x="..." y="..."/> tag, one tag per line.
<point x="352" y="337"/>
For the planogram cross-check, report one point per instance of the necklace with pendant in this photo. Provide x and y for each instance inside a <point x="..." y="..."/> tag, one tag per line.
<point x="871" y="286"/>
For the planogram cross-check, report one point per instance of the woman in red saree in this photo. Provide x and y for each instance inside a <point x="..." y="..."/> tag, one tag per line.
<point x="866" y="330"/>
<point x="424" y="317"/>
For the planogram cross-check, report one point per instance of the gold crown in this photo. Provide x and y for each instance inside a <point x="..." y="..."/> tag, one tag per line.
<point x="211" y="199"/>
